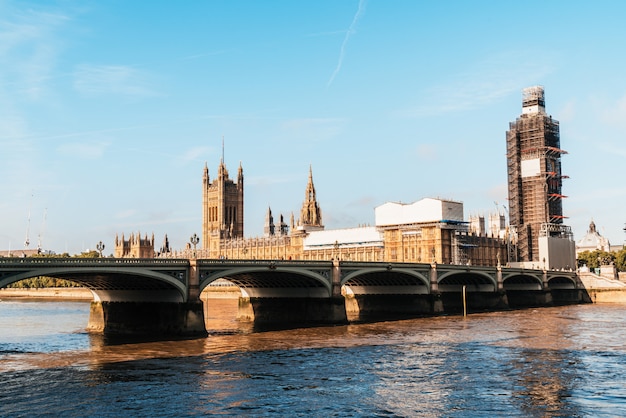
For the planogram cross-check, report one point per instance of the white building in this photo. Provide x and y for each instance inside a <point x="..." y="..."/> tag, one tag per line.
<point x="592" y="241"/>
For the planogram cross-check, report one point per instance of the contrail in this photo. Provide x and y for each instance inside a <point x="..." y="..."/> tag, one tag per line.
<point x="350" y="31"/>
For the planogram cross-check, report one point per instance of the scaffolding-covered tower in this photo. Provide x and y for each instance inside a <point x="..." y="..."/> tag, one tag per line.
<point x="535" y="186"/>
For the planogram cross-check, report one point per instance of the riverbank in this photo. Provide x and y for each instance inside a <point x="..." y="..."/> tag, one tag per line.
<point x="48" y="293"/>
<point x="82" y="294"/>
<point x="602" y="289"/>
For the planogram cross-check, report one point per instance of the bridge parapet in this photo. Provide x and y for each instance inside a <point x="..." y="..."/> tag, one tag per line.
<point x="50" y="261"/>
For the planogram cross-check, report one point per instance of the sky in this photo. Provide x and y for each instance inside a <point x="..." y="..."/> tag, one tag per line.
<point x="109" y="110"/>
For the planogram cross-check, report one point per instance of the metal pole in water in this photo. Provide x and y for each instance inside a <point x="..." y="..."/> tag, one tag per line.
<point x="464" y="303"/>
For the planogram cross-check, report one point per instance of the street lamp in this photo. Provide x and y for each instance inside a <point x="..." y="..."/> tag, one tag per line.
<point x="194" y="241"/>
<point x="100" y="248"/>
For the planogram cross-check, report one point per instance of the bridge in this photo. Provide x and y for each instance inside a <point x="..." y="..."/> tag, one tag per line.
<point x="161" y="296"/>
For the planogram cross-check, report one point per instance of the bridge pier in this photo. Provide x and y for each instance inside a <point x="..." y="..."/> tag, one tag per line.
<point x="162" y="319"/>
<point x="476" y="301"/>
<point x="281" y="311"/>
<point x="529" y="298"/>
<point x="362" y="307"/>
<point x="437" y="302"/>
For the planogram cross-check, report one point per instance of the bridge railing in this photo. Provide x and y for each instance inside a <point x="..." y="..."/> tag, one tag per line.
<point x="310" y="263"/>
<point x="48" y="261"/>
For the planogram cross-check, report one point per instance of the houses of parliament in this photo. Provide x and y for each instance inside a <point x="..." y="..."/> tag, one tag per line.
<point x="430" y="230"/>
<point x="426" y="231"/>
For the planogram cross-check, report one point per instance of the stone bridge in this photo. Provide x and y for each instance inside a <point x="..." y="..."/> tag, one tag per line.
<point x="161" y="296"/>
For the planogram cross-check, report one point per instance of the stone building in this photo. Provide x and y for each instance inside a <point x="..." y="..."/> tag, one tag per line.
<point x="222" y="208"/>
<point x="592" y="241"/>
<point x="430" y="230"/>
<point x="434" y="230"/>
<point x="535" y="186"/>
<point x="134" y="247"/>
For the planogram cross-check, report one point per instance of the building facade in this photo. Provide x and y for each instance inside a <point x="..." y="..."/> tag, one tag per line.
<point x="427" y="231"/>
<point x="592" y="241"/>
<point x="135" y="246"/>
<point x="535" y="186"/>
<point x="430" y="230"/>
<point x="222" y="207"/>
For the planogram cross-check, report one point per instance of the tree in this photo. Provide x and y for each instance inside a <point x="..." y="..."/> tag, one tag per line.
<point x="596" y="258"/>
<point x="620" y="260"/>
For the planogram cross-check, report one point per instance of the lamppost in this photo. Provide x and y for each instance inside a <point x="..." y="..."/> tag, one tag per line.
<point x="194" y="241"/>
<point x="100" y="248"/>
<point x="336" y="246"/>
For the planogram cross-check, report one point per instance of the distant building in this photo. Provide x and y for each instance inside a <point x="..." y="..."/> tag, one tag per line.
<point x="222" y="207"/>
<point x="270" y="229"/>
<point x="477" y="225"/>
<point x="310" y="213"/>
<point x="134" y="247"/>
<point x="429" y="230"/>
<point x="434" y="230"/>
<point x="426" y="231"/>
<point x="592" y="241"/>
<point x="20" y="253"/>
<point x="534" y="187"/>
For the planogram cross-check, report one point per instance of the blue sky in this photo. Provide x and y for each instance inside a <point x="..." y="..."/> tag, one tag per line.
<point x="110" y="109"/>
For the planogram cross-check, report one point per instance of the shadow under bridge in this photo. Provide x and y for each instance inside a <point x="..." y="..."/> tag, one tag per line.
<point x="269" y="278"/>
<point x="109" y="279"/>
<point x="385" y="279"/>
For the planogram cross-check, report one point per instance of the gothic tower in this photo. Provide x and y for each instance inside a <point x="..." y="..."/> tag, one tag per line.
<point x="222" y="207"/>
<point x="269" y="228"/>
<point x="310" y="214"/>
<point x="534" y="176"/>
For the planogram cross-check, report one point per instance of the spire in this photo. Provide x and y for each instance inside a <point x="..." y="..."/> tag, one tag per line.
<point x="269" y="228"/>
<point x="310" y="188"/>
<point x="205" y="175"/>
<point x="222" y="173"/>
<point x="310" y="214"/>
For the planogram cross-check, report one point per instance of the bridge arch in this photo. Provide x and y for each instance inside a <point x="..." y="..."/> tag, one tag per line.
<point x="387" y="280"/>
<point x="522" y="281"/>
<point x="272" y="281"/>
<point x="474" y="280"/>
<point x="561" y="282"/>
<point x="107" y="280"/>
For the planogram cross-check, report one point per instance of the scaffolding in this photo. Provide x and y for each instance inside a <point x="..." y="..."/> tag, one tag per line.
<point x="534" y="173"/>
<point x="533" y="96"/>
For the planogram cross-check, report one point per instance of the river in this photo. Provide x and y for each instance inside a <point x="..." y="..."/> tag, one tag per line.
<point x="564" y="361"/>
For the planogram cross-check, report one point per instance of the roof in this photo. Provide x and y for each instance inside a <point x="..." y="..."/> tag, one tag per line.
<point x="593" y="240"/>
<point x="348" y="237"/>
<point x="424" y="210"/>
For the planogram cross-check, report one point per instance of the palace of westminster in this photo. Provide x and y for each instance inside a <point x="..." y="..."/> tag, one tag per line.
<point x="426" y="231"/>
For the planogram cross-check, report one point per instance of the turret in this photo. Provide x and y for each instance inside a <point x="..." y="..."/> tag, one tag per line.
<point x="269" y="228"/>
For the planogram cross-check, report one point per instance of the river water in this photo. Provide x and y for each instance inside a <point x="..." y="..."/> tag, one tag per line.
<point x="564" y="361"/>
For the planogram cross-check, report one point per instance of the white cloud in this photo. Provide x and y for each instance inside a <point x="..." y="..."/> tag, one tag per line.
<point x="614" y="113"/>
<point x="489" y="81"/>
<point x="84" y="150"/>
<point x="29" y="46"/>
<point x="313" y="129"/>
<point x="125" y="214"/>
<point x="568" y="112"/>
<point x="426" y="151"/>
<point x="194" y="154"/>
<point x="96" y="80"/>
